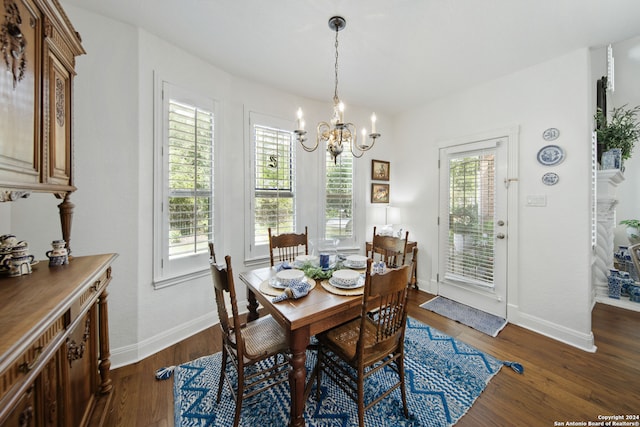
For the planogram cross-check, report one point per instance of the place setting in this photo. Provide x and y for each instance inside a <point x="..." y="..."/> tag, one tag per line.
<point x="356" y="262"/>
<point x="291" y="282"/>
<point x="345" y="282"/>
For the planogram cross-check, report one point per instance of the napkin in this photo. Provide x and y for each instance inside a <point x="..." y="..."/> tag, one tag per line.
<point x="297" y="289"/>
<point x="283" y="266"/>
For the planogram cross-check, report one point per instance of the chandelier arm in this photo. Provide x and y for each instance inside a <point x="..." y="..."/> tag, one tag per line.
<point x="354" y="154"/>
<point x="366" y="148"/>
<point x="308" y="149"/>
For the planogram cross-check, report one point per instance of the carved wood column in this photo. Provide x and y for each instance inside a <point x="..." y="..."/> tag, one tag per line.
<point x="105" y="354"/>
<point x="608" y="181"/>
<point x="66" y="215"/>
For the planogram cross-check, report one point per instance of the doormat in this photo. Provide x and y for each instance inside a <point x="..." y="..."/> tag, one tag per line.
<point x="472" y="317"/>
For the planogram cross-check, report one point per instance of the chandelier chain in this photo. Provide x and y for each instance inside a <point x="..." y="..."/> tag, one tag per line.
<point x="335" y="93"/>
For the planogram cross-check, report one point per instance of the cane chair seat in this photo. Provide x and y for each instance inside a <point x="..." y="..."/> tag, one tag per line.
<point x="262" y="336"/>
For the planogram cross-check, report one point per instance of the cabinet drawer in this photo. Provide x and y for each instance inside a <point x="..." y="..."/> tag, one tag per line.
<point x="90" y="295"/>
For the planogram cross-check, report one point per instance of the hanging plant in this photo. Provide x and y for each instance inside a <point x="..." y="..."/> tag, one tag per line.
<point x="622" y="130"/>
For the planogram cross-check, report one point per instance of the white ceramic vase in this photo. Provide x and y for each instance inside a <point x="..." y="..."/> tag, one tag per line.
<point x="633" y="234"/>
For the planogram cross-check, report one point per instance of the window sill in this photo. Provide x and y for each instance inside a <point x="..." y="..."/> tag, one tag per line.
<point x="177" y="280"/>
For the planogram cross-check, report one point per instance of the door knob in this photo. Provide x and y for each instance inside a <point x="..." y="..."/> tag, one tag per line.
<point x="501" y="223"/>
<point x="500" y="236"/>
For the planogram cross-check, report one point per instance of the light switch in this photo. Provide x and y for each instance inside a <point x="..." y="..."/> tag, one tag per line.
<point x="537" y="200"/>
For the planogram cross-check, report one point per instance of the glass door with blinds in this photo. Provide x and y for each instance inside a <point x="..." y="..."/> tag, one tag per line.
<point x="473" y="225"/>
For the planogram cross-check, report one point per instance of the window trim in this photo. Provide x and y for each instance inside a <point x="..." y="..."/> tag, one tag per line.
<point x="189" y="267"/>
<point x="260" y="253"/>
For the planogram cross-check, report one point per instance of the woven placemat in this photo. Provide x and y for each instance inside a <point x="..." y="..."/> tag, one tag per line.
<point x="339" y="291"/>
<point x="267" y="289"/>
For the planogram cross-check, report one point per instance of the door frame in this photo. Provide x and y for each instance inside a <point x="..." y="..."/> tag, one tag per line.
<point x="511" y="137"/>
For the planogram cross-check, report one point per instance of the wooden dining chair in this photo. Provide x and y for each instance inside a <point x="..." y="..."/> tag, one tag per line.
<point x="390" y="249"/>
<point x="369" y="343"/>
<point x="212" y="254"/>
<point x="288" y="246"/>
<point x="258" y="350"/>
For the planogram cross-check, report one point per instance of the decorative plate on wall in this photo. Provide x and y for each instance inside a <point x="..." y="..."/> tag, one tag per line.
<point x="550" y="178"/>
<point x="550" y="134"/>
<point x="550" y="155"/>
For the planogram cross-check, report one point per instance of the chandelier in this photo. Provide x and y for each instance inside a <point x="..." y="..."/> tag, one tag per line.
<point x="336" y="134"/>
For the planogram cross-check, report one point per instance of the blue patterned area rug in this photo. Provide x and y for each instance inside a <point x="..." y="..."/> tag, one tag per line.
<point x="477" y="319"/>
<point x="444" y="377"/>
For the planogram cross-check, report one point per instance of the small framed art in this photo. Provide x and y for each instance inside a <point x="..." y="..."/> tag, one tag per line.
<point x="379" y="170"/>
<point x="379" y="193"/>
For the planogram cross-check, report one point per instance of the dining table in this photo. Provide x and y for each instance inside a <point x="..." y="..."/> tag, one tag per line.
<point x="301" y="318"/>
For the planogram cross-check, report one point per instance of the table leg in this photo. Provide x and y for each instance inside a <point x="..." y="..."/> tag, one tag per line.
<point x="253" y="306"/>
<point x="297" y="375"/>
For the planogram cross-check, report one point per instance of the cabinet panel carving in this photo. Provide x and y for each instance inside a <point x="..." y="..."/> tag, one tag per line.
<point x="38" y="46"/>
<point x="21" y="47"/>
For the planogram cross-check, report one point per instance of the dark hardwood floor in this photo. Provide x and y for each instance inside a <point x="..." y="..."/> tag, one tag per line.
<point x="560" y="383"/>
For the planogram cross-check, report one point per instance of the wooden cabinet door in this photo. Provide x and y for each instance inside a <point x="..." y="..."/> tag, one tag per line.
<point x="58" y="123"/>
<point x="24" y="413"/>
<point x="49" y="394"/>
<point x="82" y="370"/>
<point x="20" y="93"/>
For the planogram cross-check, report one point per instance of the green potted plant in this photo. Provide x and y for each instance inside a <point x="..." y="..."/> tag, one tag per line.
<point x="620" y="130"/>
<point x="633" y="229"/>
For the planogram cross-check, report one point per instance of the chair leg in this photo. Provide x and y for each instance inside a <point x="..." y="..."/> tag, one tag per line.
<point x="403" y="391"/>
<point x="223" y="368"/>
<point x="318" y="372"/>
<point x="360" y="396"/>
<point x="239" y="393"/>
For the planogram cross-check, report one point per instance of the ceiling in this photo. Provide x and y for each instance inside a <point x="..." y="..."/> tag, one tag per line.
<point x="393" y="54"/>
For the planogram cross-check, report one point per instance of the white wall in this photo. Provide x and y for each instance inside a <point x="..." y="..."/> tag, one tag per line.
<point x="552" y="292"/>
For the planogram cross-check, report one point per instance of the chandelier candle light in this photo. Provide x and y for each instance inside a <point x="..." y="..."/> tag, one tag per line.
<point x="336" y="133"/>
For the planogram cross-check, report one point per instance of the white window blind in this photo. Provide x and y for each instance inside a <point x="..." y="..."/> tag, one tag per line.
<point x="274" y="189"/>
<point x="471" y="218"/>
<point x="339" y="196"/>
<point x="190" y="179"/>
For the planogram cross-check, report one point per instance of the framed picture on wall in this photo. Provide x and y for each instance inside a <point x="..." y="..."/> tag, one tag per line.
<point x="379" y="193"/>
<point x="379" y="170"/>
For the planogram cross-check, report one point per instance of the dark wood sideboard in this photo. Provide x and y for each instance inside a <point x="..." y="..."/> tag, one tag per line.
<point x="54" y="344"/>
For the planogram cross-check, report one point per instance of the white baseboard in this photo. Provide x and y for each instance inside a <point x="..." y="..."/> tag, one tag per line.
<point x="583" y="341"/>
<point x="134" y="353"/>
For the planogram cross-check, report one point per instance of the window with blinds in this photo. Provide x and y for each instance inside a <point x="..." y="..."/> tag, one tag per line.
<point x="339" y="196"/>
<point x="470" y="251"/>
<point x="190" y="179"/>
<point x="274" y="188"/>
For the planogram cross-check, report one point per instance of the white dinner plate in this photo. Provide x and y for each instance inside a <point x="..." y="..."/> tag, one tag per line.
<point x="275" y="283"/>
<point x="358" y="284"/>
